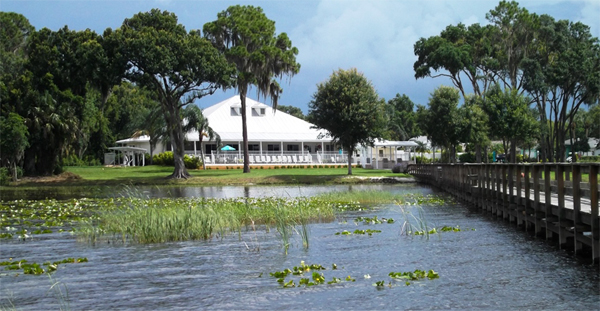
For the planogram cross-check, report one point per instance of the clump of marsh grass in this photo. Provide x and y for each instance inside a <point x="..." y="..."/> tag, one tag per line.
<point x="414" y="224"/>
<point x="164" y="220"/>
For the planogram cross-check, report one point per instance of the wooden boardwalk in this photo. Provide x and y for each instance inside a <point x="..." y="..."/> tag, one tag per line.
<point x="549" y="200"/>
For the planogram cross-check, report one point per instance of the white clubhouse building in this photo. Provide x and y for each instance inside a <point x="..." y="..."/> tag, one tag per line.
<point x="273" y="137"/>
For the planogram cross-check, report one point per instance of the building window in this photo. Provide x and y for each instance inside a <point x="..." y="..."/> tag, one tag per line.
<point x="293" y="147"/>
<point x="273" y="148"/>
<point x="188" y="146"/>
<point x="262" y="111"/>
<point x="235" y="111"/>
<point x="253" y="147"/>
<point x="209" y="147"/>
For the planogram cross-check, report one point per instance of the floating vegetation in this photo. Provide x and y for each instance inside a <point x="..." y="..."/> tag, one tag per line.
<point x="37" y="269"/>
<point x="358" y="231"/>
<point x="414" y="276"/>
<point x="374" y="220"/>
<point x="24" y="218"/>
<point x="429" y="200"/>
<point x="315" y="279"/>
<point x="443" y="229"/>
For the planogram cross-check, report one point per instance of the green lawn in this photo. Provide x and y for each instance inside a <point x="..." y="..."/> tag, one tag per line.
<point x="98" y="175"/>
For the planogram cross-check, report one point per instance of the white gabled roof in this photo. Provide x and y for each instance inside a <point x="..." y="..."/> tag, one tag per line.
<point x="270" y="127"/>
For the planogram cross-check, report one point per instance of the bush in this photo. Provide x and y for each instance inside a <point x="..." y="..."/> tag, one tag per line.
<point x="192" y="163"/>
<point x="4" y="176"/>
<point x="166" y="159"/>
<point x="74" y="160"/>
<point x="519" y="158"/>
<point x="589" y="159"/>
<point x="422" y="160"/>
<point x="468" y="157"/>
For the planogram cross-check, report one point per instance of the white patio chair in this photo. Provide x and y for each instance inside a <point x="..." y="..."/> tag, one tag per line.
<point x="251" y="159"/>
<point x="206" y="160"/>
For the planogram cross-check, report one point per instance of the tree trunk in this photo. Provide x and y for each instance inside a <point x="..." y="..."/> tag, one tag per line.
<point x="244" y="131"/>
<point x="478" y="153"/>
<point x="177" y="139"/>
<point x="513" y="151"/>
<point x="350" y="152"/>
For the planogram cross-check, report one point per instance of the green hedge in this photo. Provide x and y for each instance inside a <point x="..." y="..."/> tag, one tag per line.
<point x="589" y="159"/>
<point x="166" y="159"/>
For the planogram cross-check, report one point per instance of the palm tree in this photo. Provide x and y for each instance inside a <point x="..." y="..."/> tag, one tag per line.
<point x="247" y="38"/>
<point x="152" y="123"/>
<point x="195" y="120"/>
<point x="421" y="148"/>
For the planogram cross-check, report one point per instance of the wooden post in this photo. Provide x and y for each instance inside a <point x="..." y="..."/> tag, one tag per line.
<point x="560" y="185"/>
<point x="547" y="200"/>
<point x="505" y="201"/>
<point x="527" y="201"/>
<point x="535" y="174"/>
<point x="594" y="205"/>
<point x="577" y="225"/>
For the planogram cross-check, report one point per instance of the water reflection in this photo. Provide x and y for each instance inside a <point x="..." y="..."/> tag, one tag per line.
<point x="63" y="193"/>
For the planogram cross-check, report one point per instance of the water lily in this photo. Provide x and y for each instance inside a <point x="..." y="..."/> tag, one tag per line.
<point x="367" y="276"/>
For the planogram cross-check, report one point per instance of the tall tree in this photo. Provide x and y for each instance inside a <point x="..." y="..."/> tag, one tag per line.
<point x="462" y="52"/>
<point x="13" y="134"/>
<point x="179" y="66"/>
<point x="348" y="107"/>
<point x="195" y="120"/>
<point x="247" y="38"/>
<point x="510" y="118"/>
<point x="473" y="126"/>
<point x="440" y="121"/>
<point x="562" y="75"/>
<point x="402" y="124"/>
<point x="291" y="110"/>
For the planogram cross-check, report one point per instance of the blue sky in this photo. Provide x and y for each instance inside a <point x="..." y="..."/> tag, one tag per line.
<point x="376" y="37"/>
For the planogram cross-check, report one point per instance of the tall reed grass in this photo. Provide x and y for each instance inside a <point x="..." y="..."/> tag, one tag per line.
<point x="164" y="220"/>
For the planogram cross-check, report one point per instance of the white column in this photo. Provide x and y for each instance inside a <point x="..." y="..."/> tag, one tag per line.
<point x="260" y="147"/>
<point x="240" y="149"/>
<point x="302" y="148"/>
<point x="281" y="148"/>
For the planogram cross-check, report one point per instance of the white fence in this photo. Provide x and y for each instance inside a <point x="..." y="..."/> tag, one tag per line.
<point x="279" y="158"/>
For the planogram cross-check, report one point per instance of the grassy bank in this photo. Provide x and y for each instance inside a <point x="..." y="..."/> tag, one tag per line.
<point x="156" y="175"/>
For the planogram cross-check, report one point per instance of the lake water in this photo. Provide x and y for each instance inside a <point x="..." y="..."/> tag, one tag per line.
<point x="494" y="267"/>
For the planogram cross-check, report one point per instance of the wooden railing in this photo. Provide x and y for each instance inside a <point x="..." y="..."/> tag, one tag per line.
<point x="555" y="201"/>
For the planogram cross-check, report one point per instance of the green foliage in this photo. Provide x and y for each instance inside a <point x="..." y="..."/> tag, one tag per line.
<point x="468" y="157"/>
<point x="166" y="159"/>
<point x="349" y="108"/>
<point x="402" y="119"/>
<point x="177" y="65"/>
<point x="247" y="39"/>
<point x="294" y="111"/>
<point x="74" y="160"/>
<point x="5" y="176"/>
<point x="589" y="159"/>
<point x="441" y="121"/>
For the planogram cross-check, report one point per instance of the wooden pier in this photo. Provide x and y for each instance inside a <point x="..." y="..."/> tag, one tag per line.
<point x="549" y="200"/>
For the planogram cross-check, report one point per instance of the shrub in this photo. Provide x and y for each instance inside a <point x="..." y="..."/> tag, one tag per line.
<point x="468" y="157"/>
<point x="519" y="158"/>
<point x="4" y="176"/>
<point x="74" y="160"/>
<point x="589" y="159"/>
<point x="421" y="160"/>
<point x="164" y="159"/>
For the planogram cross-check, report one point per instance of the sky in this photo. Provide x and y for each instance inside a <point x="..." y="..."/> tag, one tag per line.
<point x="376" y="37"/>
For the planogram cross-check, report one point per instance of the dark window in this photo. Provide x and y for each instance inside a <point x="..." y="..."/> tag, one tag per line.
<point x="253" y="147"/>
<point x="209" y="147"/>
<point x="293" y="147"/>
<point x="188" y="145"/>
<point x="273" y="148"/>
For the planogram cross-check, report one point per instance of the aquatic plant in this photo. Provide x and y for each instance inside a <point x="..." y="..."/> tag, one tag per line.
<point x="358" y="231"/>
<point x="414" y="275"/>
<point x="35" y="268"/>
